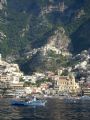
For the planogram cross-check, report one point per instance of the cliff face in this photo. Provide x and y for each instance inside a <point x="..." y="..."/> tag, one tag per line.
<point x="58" y="42"/>
<point x="25" y="25"/>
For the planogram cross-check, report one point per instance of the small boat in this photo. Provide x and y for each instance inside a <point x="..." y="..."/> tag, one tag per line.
<point x="48" y="96"/>
<point x="72" y="100"/>
<point x="85" y="97"/>
<point x="29" y="103"/>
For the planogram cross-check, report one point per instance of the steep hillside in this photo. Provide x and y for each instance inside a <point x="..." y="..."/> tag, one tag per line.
<point x="27" y="24"/>
<point x="82" y="37"/>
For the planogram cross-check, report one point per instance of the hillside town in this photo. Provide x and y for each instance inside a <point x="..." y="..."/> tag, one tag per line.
<point x="13" y="82"/>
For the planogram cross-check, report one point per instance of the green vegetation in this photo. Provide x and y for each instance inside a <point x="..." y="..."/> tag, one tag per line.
<point x="39" y="82"/>
<point x="26" y="28"/>
<point x="27" y="84"/>
<point x="65" y="73"/>
<point x="81" y="36"/>
<point x="21" y="80"/>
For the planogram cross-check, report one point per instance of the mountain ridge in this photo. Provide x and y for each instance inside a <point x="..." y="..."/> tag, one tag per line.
<point x="26" y="26"/>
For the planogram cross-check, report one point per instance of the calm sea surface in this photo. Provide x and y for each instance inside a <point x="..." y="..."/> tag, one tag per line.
<point x="54" y="110"/>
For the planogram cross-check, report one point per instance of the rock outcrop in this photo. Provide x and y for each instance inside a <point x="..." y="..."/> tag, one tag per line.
<point x="59" y="42"/>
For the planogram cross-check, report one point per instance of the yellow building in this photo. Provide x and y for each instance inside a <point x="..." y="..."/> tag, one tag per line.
<point x="62" y="83"/>
<point x="67" y="84"/>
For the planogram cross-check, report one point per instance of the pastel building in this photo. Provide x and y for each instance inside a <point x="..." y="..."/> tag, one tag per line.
<point x="67" y="84"/>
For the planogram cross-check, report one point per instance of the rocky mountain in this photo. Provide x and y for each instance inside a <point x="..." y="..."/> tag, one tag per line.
<point x="25" y="25"/>
<point x="29" y="26"/>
